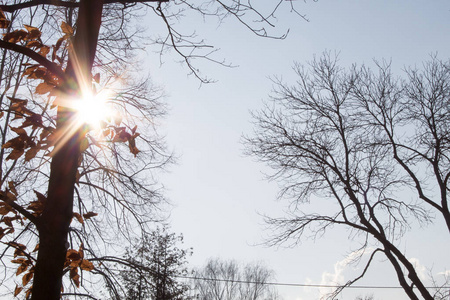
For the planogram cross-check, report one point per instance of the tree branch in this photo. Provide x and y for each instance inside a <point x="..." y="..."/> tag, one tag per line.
<point x="52" y="67"/>
<point x="13" y="7"/>
<point x="20" y="209"/>
<point x="352" y="281"/>
<point x="79" y="294"/>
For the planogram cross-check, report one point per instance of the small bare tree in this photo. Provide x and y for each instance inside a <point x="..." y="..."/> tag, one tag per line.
<point x="226" y="280"/>
<point x="367" y="297"/>
<point x="359" y="141"/>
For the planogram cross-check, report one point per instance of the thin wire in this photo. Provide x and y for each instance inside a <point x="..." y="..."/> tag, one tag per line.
<point x="304" y="284"/>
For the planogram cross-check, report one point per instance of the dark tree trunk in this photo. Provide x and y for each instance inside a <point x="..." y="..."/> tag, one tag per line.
<point x="54" y="223"/>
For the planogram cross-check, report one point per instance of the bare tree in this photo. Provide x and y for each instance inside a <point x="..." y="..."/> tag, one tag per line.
<point x="58" y="175"/>
<point x="360" y="141"/>
<point x="367" y="297"/>
<point x="226" y="280"/>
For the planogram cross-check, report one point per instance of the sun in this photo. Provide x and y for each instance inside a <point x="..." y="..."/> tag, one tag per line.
<point x="93" y="109"/>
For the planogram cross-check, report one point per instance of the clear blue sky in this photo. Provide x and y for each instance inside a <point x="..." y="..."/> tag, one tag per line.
<point x="217" y="192"/>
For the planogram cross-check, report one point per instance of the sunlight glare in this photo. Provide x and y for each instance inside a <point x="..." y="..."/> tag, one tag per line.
<point x="92" y="109"/>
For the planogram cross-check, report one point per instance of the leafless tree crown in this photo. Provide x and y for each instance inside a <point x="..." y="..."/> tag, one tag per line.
<point x="372" y="148"/>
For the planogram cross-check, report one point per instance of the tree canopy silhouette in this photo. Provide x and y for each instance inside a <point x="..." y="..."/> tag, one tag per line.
<point x="364" y="142"/>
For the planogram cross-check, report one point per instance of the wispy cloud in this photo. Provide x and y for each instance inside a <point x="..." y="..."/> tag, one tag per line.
<point x="420" y="269"/>
<point x="337" y="277"/>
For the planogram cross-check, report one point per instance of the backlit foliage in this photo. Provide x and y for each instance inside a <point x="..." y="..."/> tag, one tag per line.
<point x="30" y="139"/>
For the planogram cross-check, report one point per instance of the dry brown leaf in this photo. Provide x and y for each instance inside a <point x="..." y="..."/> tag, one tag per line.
<point x="73" y="254"/>
<point x="89" y="215"/>
<point x="12" y="188"/>
<point x="66" y="28"/>
<point x="22" y="268"/>
<point x="78" y="217"/>
<point x="44" y="88"/>
<point x="27" y="277"/>
<point x="15" y="154"/>
<point x="17" y="290"/>
<point x="31" y="153"/>
<point x="86" y="265"/>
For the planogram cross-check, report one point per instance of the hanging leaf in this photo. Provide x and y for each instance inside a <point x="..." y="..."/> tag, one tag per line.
<point x="34" y="43"/>
<point x="20" y="251"/>
<point x="75" y="263"/>
<point x="86" y="265"/>
<point x="97" y="78"/>
<point x="56" y="48"/>
<point x="17" y="290"/>
<point x="41" y="197"/>
<point x="44" y="50"/>
<point x="121" y="135"/>
<point x="89" y="215"/>
<point x="22" y="268"/>
<point x="75" y="277"/>
<point x="73" y="254"/>
<point x="107" y="132"/>
<point x="33" y="120"/>
<point x="46" y="131"/>
<point x="19" y="131"/>
<point x="133" y="130"/>
<point x="78" y="217"/>
<point x="29" y="70"/>
<point x="5" y="209"/>
<point x="15" y="143"/>
<point x="15" y="154"/>
<point x="20" y="260"/>
<point x="12" y="188"/>
<point x="27" y="277"/>
<point x="10" y="196"/>
<point x="31" y="153"/>
<point x="66" y="28"/>
<point x="4" y="23"/>
<point x="33" y="32"/>
<point x="10" y="230"/>
<point x="16" y="245"/>
<point x="132" y="146"/>
<point x="15" y="36"/>
<point x="37" y="207"/>
<point x="36" y="73"/>
<point x="17" y="104"/>
<point x="8" y="222"/>
<point x="44" y="88"/>
<point x="28" y="293"/>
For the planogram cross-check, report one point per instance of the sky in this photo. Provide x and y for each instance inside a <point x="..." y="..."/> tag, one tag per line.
<point x="218" y="194"/>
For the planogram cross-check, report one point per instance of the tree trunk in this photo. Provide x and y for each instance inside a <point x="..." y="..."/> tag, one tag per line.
<point x="53" y="225"/>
